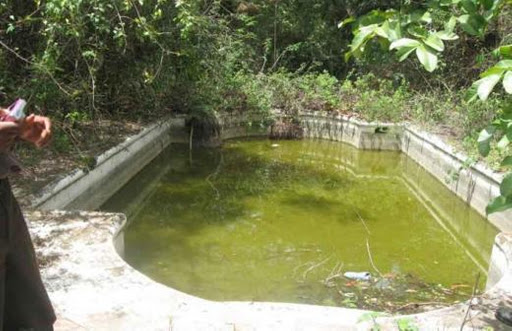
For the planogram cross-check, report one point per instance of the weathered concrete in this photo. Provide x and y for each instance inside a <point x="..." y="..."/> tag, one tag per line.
<point x="375" y="136"/>
<point x="473" y="183"/>
<point x="89" y="189"/>
<point x="92" y="288"/>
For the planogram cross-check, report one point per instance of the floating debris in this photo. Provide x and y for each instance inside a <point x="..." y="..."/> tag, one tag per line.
<point x="358" y="275"/>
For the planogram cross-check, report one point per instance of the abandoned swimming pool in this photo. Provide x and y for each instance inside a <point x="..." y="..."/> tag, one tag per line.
<point x="282" y="221"/>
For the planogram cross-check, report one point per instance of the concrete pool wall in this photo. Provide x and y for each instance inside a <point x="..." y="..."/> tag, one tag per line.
<point x="106" y="275"/>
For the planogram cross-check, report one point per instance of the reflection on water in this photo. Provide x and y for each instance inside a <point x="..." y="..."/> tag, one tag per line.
<point x="282" y="221"/>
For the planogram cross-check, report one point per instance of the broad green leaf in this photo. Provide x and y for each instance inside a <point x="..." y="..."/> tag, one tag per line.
<point x="427" y="58"/>
<point x="469" y="6"/>
<point x="413" y="17"/>
<point x="504" y="64"/>
<point x="427" y="17"/>
<point x="435" y="42"/>
<point x="508" y="124"/>
<point x="395" y="30"/>
<point x="404" y="42"/>
<point x="506" y="162"/>
<point x="471" y="94"/>
<point x="473" y="24"/>
<point x="362" y="36"/>
<point x="445" y="35"/>
<point x="464" y="21"/>
<point x="505" y="50"/>
<point x="486" y="85"/>
<point x="381" y="32"/>
<point x="494" y="70"/>
<point x="376" y="17"/>
<point x="450" y="25"/>
<point x="498" y="204"/>
<point x="484" y="141"/>
<point x="389" y="30"/>
<point x="346" y="21"/>
<point x="507" y="82"/>
<point x="506" y="186"/>
<point x="488" y="4"/>
<point x="503" y="143"/>
<point x="417" y="31"/>
<point x="404" y="52"/>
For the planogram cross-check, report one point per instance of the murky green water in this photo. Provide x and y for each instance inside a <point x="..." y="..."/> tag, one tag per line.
<point x="256" y="221"/>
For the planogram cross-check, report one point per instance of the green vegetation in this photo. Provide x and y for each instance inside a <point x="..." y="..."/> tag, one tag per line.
<point x="444" y="64"/>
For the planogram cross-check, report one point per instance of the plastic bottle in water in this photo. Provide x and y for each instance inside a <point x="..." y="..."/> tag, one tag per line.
<point x="358" y="275"/>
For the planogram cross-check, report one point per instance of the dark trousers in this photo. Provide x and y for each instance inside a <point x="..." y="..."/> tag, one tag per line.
<point x="24" y="303"/>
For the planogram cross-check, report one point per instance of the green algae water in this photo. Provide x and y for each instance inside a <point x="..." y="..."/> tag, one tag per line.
<point x="261" y="220"/>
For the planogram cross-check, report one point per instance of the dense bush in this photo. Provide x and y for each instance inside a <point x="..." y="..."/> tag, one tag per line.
<point x="80" y="60"/>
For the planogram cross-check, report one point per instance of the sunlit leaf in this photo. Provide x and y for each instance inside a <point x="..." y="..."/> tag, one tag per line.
<point x="504" y="64"/>
<point x="450" y="25"/>
<point x="435" y="42"/>
<point x="445" y="35"/>
<point x="503" y="143"/>
<point x="362" y="36"/>
<point x="505" y="50"/>
<point x="346" y="22"/>
<point x="427" y="17"/>
<point x="484" y="141"/>
<point x="507" y="82"/>
<point x="486" y="85"/>
<point x="427" y="58"/>
<point x="492" y="71"/>
<point x="404" y="42"/>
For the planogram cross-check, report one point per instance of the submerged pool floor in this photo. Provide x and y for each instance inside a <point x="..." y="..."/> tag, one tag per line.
<point x="262" y="220"/>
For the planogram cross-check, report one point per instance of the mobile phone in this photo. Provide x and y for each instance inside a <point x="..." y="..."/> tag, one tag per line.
<point x="17" y="109"/>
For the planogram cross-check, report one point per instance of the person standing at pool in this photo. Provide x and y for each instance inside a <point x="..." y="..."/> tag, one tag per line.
<point x="24" y="303"/>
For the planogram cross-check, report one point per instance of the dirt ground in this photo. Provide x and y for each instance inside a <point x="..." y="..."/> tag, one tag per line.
<point x="74" y="145"/>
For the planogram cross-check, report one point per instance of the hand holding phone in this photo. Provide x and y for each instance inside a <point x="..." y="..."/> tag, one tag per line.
<point x="15" y="112"/>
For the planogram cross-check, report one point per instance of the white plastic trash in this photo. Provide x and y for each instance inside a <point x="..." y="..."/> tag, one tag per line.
<point x="358" y="275"/>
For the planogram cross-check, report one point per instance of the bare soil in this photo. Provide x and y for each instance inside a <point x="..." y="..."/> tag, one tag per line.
<point x="74" y="145"/>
